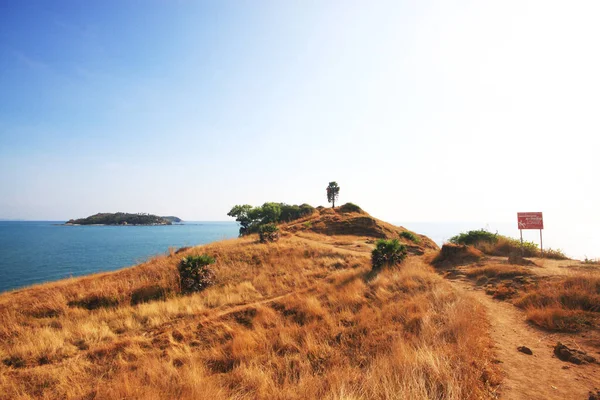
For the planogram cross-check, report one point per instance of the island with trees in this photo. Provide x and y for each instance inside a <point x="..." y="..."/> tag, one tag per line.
<point x="121" y="218"/>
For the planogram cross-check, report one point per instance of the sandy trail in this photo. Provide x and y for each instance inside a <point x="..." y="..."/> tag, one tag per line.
<point x="537" y="376"/>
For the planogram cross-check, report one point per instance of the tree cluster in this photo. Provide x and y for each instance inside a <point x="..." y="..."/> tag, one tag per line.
<point x="252" y="218"/>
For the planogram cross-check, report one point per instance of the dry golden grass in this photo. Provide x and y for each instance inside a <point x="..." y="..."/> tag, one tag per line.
<point x="452" y="255"/>
<point x="501" y="271"/>
<point x="569" y="303"/>
<point x="337" y="222"/>
<point x="297" y="319"/>
<point x="505" y="246"/>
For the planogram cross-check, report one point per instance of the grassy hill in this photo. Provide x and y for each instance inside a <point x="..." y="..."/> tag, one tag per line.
<point x="300" y="318"/>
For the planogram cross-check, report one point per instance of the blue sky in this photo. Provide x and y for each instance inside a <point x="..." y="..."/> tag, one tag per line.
<point x="422" y="111"/>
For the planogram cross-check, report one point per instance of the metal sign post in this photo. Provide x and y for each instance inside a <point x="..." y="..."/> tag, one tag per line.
<point x="522" y="249"/>
<point x="531" y="220"/>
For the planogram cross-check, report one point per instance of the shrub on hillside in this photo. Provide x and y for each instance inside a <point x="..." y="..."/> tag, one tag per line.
<point x="289" y="212"/>
<point x="474" y="237"/>
<point x="268" y="233"/>
<point x="293" y="212"/>
<point x="410" y="236"/>
<point x="306" y="209"/>
<point x="387" y="253"/>
<point x="495" y="244"/>
<point x="195" y="274"/>
<point x="350" y="207"/>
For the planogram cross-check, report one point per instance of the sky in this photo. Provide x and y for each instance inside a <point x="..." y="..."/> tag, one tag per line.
<point x="429" y="111"/>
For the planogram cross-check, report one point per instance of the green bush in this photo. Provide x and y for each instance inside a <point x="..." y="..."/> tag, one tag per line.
<point x="350" y="207"/>
<point x="387" y="253"/>
<point x="268" y="233"/>
<point x="495" y="244"/>
<point x="289" y="212"/>
<point x="306" y="209"/>
<point x="474" y="237"/>
<point x="293" y="212"/>
<point x="195" y="274"/>
<point x="410" y="236"/>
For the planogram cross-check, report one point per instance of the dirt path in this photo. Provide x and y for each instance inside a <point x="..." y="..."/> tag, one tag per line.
<point x="537" y="376"/>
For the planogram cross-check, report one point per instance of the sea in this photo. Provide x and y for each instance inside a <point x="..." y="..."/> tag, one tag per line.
<point x="33" y="252"/>
<point x="39" y="251"/>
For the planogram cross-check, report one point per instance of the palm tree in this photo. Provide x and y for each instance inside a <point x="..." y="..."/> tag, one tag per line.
<point x="333" y="192"/>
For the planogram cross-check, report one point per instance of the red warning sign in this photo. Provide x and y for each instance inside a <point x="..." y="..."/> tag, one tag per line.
<point x="530" y="220"/>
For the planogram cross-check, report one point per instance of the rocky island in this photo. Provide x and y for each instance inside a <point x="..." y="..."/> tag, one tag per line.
<point x="123" y="219"/>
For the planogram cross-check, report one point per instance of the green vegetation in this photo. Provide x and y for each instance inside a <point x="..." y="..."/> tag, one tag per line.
<point x="123" y="219"/>
<point x="410" y="236"/>
<point x="268" y="233"/>
<point x="251" y="218"/>
<point x="387" y="253"/>
<point x="293" y="212"/>
<point x="350" y="207"/>
<point x="474" y="237"/>
<point x="195" y="274"/>
<point x="333" y="192"/>
<point x="500" y="245"/>
<point x="244" y="215"/>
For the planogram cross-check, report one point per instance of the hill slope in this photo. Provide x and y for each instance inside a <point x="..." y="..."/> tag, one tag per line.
<point x="300" y="318"/>
<point x="338" y="221"/>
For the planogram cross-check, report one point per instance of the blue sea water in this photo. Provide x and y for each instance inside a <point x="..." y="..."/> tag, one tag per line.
<point x="39" y="251"/>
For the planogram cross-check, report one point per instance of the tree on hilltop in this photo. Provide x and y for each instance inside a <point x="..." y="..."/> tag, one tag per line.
<point x="333" y="192"/>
